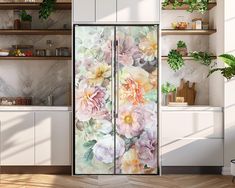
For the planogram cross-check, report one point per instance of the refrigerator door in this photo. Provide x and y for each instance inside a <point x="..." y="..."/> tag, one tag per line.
<point x="136" y="142"/>
<point x="93" y="83"/>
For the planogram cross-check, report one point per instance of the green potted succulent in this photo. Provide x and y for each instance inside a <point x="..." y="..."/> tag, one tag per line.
<point x="25" y="20"/>
<point x="182" y="48"/>
<point x="168" y="93"/>
<point x="175" y="60"/>
<point x="46" y="8"/>
<point x="229" y="71"/>
<point x="193" y="5"/>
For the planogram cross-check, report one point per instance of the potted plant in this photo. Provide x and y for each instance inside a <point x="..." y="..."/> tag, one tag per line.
<point x="25" y="20"/>
<point x="168" y="93"/>
<point x="202" y="57"/>
<point x="182" y="48"/>
<point x="46" y="8"/>
<point x="228" y="71"/>
<point x="175" y="60"/>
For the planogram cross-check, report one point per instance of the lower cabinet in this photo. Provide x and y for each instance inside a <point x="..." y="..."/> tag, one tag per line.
<point x="35" y="138"/>
<point x="17" y="138"/>
<point x="52" y="138"/>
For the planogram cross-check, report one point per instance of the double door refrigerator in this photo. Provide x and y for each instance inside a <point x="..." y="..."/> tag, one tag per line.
<point x="115" y="78"/>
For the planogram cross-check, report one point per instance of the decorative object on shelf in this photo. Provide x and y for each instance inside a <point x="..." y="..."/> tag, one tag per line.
<point x="233" y="169"/>
<point x="62" y="51"/>
<point x="168" y="93"/>
<point x="41" y="52"/>
<point x="175" y="60"/>
<point x="182" y="48"/>
<point x="9" y="101"/>
<point x="4" y="52"/>
<point x="193" y="5"/>
<point x="228" y="71"/>
<point x="197" y="23"/>
<point x="180" y="23"/>
<point x="204" y="58"/>
<point x="177" y="104"/>
<point x="46" y="8"/>
<point x="49" y="50"/>
<point x="205" y="25"/>
<point x="22" y="50"/>
<point x="189" y="93"/>
<point x="16" y="19"/>
<point x="25" y="20"/>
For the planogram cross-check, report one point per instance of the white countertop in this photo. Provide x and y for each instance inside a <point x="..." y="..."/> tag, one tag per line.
<point x="35" y="108"/>
<point x="191" y="108"/>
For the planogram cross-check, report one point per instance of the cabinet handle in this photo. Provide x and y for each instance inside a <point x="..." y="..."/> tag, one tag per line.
<point x="117" y="80"/>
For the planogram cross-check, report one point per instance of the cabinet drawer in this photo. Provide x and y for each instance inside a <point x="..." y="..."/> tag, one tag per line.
<point x="192" y="124"/>
<point x="193" y="152"/>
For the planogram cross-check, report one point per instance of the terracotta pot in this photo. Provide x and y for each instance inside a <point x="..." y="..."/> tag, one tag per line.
<point x="25" y="25"/>
<point x="183" y="51"/>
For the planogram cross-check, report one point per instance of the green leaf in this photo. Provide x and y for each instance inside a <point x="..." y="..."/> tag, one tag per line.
<point x="90" y="143"/>
<point x="228" y="59"/>
<point x="46" y="8"/>
<point x="202" y="57"/>
<point x="88" y="155"/>
<point x="175" y="60"/>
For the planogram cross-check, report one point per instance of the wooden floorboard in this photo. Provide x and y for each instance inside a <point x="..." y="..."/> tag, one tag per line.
<point x="64" y="181"/>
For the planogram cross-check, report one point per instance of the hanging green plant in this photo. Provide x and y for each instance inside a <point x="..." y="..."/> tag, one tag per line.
<point x="229" y="71"/>
<point x="193" y="5"/>
<point x="204" y="58"/>
<point x="175" y="60"/>
<point x="46" y="8"/>
<point x="168" y="88"/>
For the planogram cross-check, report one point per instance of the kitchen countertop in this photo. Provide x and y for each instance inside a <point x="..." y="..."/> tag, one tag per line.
<point x="191" y="108"/>
<point x="35" y="108"/>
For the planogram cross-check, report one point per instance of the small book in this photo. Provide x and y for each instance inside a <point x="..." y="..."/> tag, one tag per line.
<point x="178" y="104"/>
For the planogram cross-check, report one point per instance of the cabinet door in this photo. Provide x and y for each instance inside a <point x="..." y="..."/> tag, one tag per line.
<point x="84" y="11"/>
<point x="105" y="10"/>
<point x="17" y="138"/>
<point x="52" y="138"/>
<point x="138" y="10"/>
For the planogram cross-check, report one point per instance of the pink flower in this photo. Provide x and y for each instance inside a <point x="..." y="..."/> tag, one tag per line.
<point x="90" y="102"/>
<point x="131" y="120"/>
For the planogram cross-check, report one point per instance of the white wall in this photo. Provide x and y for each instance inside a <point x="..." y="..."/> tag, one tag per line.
<point x="229" y="115"/>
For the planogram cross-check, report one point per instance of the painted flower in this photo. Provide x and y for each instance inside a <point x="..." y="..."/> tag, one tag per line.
<point x="131" y="121"/>
<point x="146" y="147"/>
<point x="104" y="126"/>
<point x="134" y="84"/>
<point x="90" y="102"/>
<point x="130" y="163"/>
<point x="148" y="46"/>
<point x="98" y="73"/>
<point x="104" y="149"/>
<point x="126" y="48"/>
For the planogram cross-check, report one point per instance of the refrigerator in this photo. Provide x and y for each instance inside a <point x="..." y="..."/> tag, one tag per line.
<point x="115" y="99"/>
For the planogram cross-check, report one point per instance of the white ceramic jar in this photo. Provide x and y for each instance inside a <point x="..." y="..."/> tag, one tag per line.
<point x="233" y="169"/>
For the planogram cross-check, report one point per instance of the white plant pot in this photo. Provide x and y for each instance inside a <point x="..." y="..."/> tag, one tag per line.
<point x="233" y="167"/>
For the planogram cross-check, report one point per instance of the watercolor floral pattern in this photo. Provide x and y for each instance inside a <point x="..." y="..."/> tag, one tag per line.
<point x="132" y="144"/>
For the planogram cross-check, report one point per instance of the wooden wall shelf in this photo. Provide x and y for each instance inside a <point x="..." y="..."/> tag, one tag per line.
<point x="32" y="6"/>
<point x="187" y="32"/>
<point x="36" y="32"/>
<point x="186" y="57"/>
<point x="44" y="58"/>
<point x="185" y="7"/>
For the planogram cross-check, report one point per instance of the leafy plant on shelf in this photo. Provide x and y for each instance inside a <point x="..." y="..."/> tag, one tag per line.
<point x="181" y="44"/>
<point x="24" y="16"/>
<point x="168" y="88"/>
<point x="204" y="58"/>
<point x="228" y="71"/>
<point x="175" y="60"/>
<point x="194" y="5"/>
<point x="46" y="8"/>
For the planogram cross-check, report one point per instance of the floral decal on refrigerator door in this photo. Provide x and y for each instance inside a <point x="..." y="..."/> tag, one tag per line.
<point x="137" y="105"/>
<point x="94" y="135"/>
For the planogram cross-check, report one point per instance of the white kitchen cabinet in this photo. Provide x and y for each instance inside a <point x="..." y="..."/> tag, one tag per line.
<point x="17" y="138"/>
<point x="138" y="10"/>
<point x="192" y="124"/>
<point x="193" y="152"/>
<point x="106" y="10"/>
<point x="84" y="10"/>
<point x="52" y="138"/>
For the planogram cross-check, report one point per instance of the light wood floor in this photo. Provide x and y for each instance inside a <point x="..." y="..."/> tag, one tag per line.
<point x="171" y="181"/>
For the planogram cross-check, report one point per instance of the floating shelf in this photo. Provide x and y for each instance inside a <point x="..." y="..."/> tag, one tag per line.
<point x="36" y="32"/>
<point x="32" y="6"/>
<point x="186" y="57"/>
<point x="187" y="32"/>
<point x="44" y="58"/>
<point x="185" y="7"/>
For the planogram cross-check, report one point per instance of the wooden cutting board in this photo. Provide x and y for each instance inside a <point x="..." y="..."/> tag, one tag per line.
<point x="189" y="93"/>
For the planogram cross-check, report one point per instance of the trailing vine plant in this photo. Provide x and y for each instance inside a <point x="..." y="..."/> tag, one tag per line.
<point x="46" y="8"/>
